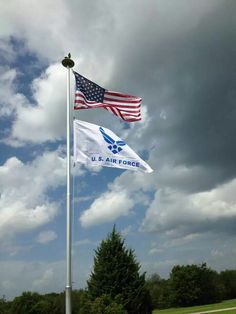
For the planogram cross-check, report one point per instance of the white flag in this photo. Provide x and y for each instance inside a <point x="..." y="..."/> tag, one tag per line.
<point x="99" y="146"/>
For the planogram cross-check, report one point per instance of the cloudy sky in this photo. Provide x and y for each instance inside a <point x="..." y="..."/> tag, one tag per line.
<point x="179" y="56"/>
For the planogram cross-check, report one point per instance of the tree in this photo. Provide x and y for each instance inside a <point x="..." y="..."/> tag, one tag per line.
<point x="228" y="280"/>
<point x="4" y="305"/>
<point x="105" y="305"/>
<point x="25" y="303"/>
<point x="116" y="274"/>
<point x="159" y="291"/>
<point x="194" y="285"/>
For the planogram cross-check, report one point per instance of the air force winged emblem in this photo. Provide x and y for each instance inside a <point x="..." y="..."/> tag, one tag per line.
<point x="114" y="146"/>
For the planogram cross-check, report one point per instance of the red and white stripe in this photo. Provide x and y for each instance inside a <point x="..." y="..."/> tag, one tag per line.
<point x="125" y="106"/>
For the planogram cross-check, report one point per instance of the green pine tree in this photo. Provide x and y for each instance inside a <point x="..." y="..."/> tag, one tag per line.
<point x="116" y="273"/>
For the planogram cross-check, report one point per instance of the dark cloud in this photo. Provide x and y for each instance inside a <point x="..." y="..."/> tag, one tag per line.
<point x="187" y="70"/>
<point x="207" y="126"/>
<point x="222" y="225"/>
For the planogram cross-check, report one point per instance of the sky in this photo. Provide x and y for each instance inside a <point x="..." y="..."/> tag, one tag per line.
<point x="179" y="57"/>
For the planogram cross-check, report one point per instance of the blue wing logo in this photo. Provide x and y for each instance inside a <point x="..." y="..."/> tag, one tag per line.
<point x="114" y="146"/>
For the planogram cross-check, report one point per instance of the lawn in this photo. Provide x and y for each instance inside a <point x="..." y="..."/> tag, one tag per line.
<point x="195" y="309"/>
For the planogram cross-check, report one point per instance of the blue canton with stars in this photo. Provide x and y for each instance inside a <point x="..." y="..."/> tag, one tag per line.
<point x="91" y="91"/>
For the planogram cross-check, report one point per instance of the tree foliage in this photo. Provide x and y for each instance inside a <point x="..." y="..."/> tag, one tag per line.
<point x="228" y="280"/>
<point x="188" y="285"/>
<point x="116" y="274"/>
<point x="194" y="285"/>
<point x="105" y="305"/>
<point x="160" y="291"/>
<point x="4" y="305"/>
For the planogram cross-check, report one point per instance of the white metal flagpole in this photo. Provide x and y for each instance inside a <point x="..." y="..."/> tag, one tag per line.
<point x="68" y="63"/>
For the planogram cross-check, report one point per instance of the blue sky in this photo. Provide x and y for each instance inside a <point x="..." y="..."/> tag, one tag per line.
<point x="178" y="56"/>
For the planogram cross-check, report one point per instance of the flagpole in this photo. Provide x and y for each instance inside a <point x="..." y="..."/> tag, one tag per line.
<point x="68" y="63"/>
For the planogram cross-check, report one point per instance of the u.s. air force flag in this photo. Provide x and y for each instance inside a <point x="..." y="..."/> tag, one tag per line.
<point x="97" y="146"/>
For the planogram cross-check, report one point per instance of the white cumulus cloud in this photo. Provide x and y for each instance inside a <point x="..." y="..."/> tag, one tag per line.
<point x="176" y="212"/>
<point x="45" y="121"/>
<point x="23" y="201"/>
<point x="108" y="207"/>
<point x="46" y="236"/>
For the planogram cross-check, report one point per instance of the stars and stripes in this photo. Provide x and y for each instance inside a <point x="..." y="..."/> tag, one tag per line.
<point x="89" y="95"/>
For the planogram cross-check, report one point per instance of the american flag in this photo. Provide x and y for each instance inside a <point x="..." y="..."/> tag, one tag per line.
<point x="89" y="95"/>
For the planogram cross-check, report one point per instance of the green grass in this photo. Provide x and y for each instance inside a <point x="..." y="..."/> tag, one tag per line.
<point x="209" y="307"/>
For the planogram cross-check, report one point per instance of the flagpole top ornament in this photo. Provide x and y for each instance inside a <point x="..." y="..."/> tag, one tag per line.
<point x="67" y="62"/>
